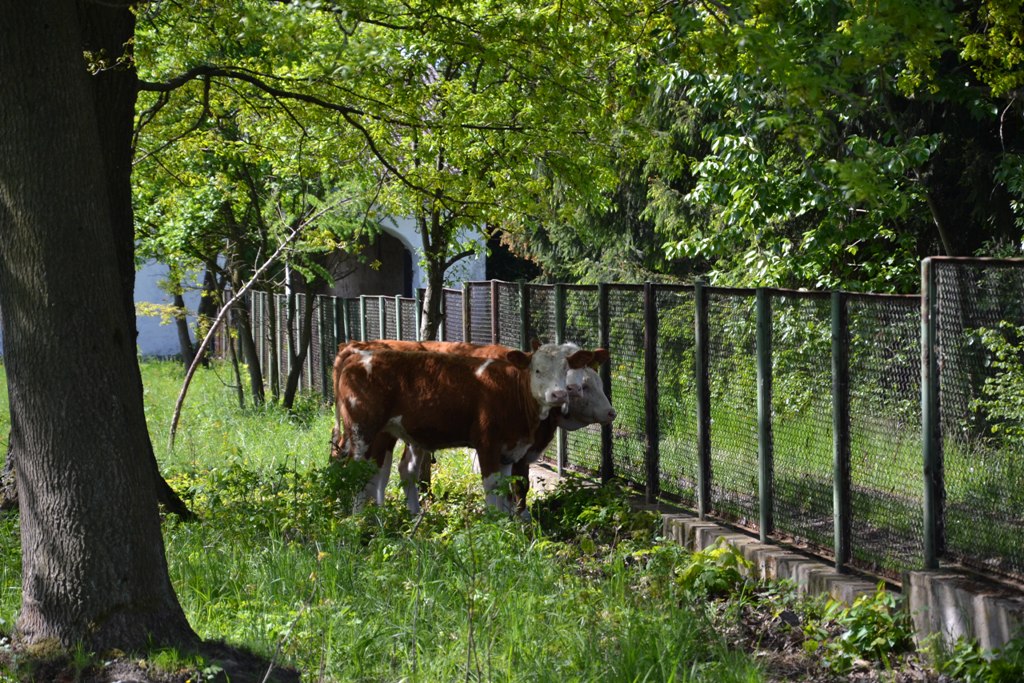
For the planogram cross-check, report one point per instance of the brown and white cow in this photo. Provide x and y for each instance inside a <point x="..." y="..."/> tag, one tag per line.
<point x="441" y="400"/>
<point x="587" y="404"/>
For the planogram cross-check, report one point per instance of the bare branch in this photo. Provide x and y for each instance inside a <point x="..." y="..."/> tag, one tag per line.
<point x="227" y="306"/>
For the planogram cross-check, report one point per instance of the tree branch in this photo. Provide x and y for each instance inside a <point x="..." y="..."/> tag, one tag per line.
<point x="223" y="313"/>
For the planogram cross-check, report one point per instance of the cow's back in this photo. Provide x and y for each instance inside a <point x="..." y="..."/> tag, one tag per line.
<point x="435" y="400"/>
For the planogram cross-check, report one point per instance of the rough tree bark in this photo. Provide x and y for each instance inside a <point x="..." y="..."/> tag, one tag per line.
<point x="93" y="564"/>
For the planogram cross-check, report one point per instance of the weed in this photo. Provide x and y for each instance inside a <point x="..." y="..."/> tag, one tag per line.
<point x="715" y="572"/>
<point x="873" y="628"/>
<point x="969" y="663"/>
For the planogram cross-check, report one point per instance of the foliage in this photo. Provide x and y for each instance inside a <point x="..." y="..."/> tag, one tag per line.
<point x="969" y="663"/>
<point x="1002" y="395"/>
<point x="874" y="627"/>
<point x="717" y="571"/>
<point x="801" y="144"/>
<point x="593" y="515"/>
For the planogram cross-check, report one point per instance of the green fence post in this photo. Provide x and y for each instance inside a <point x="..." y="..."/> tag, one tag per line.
<point x="495" y="314"/>
<point x="340" y="320"/>
<point x="701" y="342"/>
<point x="467" y="312"/>
<point x="604" y="336"/>
<point x="841" y="430"/>
<point x="398" y="316"/>
<point x="652" y="453"/>
<point x="931" y="455"/>
<point x="524" y="316"/>
<point x="362" y="317"/>
<point x="562" y="443"/>
<point x="765" y="483"/>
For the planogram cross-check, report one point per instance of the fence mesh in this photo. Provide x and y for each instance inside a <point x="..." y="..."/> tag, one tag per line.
<point x="390" y="308"/>
<point x="626" y="347"/>
<point x="885" y="432"/>
<point x="677" y="407"/>
<point x="581" y="328"/>
<point x="453" y="321"/>
<point x="732" y="367"/>
<point x="480" y="331"/>
<point x="541" y="324"/>
<point x="371" y="317"/>
<point x="509" y="305"/>
<point x="980" y="409"/>
<point x="801" y="342"/>
<point x="407" y="314"/>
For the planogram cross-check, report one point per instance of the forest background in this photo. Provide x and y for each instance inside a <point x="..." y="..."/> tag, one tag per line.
<point x="817" y="144"/>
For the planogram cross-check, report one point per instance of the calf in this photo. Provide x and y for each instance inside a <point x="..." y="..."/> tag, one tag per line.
<point x="437" y="400"/>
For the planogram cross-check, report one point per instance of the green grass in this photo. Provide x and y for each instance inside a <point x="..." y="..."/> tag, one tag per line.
<point x="277" y="564"/>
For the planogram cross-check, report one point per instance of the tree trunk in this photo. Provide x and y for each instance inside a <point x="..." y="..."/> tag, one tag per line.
<point x="93" y="564"/>
<point x="434" y="247"/>
<point x="298" y="352"/>
<point x="432" y="298"/>
<point x="109" y="29"/>
<point x="249" y="353"/>
<point x="188" y="352"/>
<point x="210" y="298"/>
<point x="272" y="359"/>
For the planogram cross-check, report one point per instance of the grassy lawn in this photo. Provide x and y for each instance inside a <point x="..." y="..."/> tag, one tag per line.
<point x="279" y="565"/>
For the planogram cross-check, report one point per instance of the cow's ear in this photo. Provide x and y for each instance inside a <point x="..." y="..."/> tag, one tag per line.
<point x="535" y="343"/>
<point x="580" y="359"/>
<point x="518" y="359"/>
<point x="600" y="358"/>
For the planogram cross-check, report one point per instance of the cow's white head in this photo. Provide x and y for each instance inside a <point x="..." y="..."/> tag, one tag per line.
<point x="589" y="404"/>
<point x="549" y="367"/>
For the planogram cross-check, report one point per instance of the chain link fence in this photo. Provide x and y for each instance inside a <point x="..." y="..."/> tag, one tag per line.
<point x="885" y="431"/>
<point x="979" y="320"/>
<point x="797" y="415"/>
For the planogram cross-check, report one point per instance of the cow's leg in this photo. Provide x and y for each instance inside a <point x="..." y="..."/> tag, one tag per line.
<point x="412" y="461"/>
<point x="492" y="472"/>
<point x="379" y="450"/>
<point x="426" y="460"/>
<point x="520" y="487"/>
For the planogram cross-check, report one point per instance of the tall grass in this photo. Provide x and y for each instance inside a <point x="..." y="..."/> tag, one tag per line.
<point x="277" y="563"/>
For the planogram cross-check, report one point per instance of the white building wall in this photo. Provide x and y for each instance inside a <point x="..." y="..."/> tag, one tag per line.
<point x="469" y="269"/>
<point x="158" y="339"/>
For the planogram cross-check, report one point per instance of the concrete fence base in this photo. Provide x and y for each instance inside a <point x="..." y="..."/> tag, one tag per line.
<point x="948" y="602"/>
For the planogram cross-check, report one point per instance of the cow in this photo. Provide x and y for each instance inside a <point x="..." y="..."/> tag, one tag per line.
<point x="587" y="404"/>
<point x="442" y="400"/>
<point x="590" y="405"/>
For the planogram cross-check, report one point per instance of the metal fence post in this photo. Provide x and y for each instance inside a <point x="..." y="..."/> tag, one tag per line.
<point x="562" y="442"/>
<point x="764" y="412"/>
<point x="841" y="430"/>
<point x="701" y="342"/>
<point x="340" y="321"/>
<point x="398" y="317"/>
<point x="495" y="314"/>
<point x="652" y="452"/>
<point x="362" y="317"/>
<point x="931" y="455"/>
<point x="604" y="336"/>
<point x="524" y="316"/>
<point x="467" y="313"/>
<point x="382" y="317"/>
